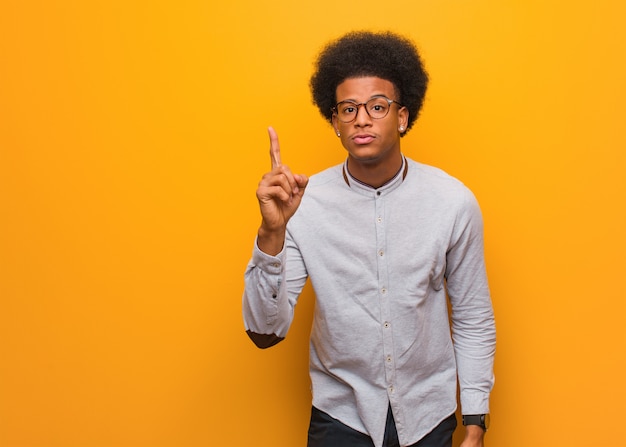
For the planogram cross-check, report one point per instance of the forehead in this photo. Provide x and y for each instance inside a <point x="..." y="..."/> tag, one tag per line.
<point x="363" y="88"/>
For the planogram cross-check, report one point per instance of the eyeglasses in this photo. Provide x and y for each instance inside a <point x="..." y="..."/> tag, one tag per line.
<point x="377" y="108"/>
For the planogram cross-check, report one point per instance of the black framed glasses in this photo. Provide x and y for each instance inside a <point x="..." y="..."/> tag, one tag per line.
<point x="376" y="107"/>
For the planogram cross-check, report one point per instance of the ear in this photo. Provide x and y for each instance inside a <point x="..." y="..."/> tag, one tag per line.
<point x="335" y="124"/>
<point x="403" y="119"/>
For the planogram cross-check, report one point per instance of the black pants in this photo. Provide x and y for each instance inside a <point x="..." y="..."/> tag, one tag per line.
<point x="325" y="431"/>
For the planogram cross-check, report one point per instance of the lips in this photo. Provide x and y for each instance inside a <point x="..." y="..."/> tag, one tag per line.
<point x="363" y="138"/>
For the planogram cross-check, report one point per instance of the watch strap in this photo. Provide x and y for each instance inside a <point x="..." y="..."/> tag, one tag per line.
<point x="476" y="419"/>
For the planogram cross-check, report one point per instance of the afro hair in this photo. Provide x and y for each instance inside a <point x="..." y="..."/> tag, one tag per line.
<point x="361" y="54"/>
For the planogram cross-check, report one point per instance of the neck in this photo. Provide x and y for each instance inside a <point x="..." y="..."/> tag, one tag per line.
<point x="374" y="173"/>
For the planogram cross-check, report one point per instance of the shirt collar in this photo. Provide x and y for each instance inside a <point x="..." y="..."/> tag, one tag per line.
<point x="366" y="189"/>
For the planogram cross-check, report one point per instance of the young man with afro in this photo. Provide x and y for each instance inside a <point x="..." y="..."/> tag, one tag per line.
<point x="386" y="242"/>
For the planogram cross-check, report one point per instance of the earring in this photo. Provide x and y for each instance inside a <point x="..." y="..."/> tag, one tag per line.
<point x="401" y="129"/>
<point x="338" y="133"/>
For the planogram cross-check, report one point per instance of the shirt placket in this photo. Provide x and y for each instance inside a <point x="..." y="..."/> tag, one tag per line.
<point x="383" y="294"/>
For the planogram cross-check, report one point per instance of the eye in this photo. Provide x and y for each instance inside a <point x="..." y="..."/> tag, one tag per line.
<point x="378" y="107"/>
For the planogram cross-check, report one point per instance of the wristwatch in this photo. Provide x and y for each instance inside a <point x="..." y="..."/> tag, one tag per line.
<point x="482" y="420"/>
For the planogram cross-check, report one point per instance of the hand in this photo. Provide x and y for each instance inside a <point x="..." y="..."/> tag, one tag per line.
<point x="474" y="436"/>
<point x="279" y="194"/>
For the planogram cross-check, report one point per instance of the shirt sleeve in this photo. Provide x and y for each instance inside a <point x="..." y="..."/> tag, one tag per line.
<point x="473" y="325"/>
<point x="270" y="296"/>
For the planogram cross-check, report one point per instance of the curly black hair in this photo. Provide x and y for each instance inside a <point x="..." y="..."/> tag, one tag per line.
<point x="363" y="53"/>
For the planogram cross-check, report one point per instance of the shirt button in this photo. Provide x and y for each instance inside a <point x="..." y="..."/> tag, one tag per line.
<point x="381" y="253"/>
<point x="391" y="389"/>
<point x="383" y="291"/>
<point x="386" y="325"/>
<point x="388" y="359"/>
<point x="379" y="220"/>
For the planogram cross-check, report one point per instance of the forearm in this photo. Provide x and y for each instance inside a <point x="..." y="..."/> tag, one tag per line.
<point x="474" y="335"/>
<point x="269" y="298"/>
<point x="475" y="338"/>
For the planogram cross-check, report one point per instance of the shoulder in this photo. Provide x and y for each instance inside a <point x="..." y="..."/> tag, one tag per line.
<point x="436" y="181"/>
<point x="327" y="176"/>
<point x="431" y="175"/>
<point x="325" y="182"/>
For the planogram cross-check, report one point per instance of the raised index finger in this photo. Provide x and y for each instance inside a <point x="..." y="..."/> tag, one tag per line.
<point x="274" y="148"/>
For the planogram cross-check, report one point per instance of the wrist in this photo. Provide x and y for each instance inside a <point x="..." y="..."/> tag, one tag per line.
<point x="474" y="432"/>
<point x="270" y="241"/>
<point x="477" y="420"/>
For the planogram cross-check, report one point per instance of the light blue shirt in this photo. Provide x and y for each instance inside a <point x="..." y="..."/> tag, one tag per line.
<point x="380" y="262"/>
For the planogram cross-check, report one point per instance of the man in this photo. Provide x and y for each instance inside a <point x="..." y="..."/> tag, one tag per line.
<point x="383" y="239"/>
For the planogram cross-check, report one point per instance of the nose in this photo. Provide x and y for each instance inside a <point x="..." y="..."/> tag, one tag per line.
<point x="362" y="119"/>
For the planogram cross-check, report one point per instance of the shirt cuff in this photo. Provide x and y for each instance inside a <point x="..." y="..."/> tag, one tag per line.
<point x="474" y="402"/>
<point x="270" y="264"/>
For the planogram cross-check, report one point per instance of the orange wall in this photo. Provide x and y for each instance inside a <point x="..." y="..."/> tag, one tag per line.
<point x="132" y="137"/>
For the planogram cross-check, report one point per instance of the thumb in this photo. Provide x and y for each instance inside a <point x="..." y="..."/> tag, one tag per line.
<point x="302" y="181"/>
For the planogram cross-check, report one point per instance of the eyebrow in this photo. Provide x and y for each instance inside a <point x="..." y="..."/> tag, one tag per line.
<point x="378" y="95"/>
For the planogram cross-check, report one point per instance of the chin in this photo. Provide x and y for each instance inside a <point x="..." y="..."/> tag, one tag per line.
<point x="364" y="155"/>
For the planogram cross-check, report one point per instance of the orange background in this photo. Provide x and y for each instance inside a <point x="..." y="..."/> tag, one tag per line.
<point x="132" y="138"/>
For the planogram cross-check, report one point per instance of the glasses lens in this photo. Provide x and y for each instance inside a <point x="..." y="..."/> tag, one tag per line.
<point x="377" y="107"/>
<point x="346" y="111"/>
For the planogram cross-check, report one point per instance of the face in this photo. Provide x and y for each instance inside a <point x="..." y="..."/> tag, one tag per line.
<point x="366" y="139"/>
